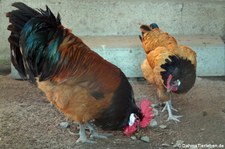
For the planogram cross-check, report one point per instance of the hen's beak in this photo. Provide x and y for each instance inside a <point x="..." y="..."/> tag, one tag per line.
<point x="169" y="89"/>
<point x="174" y="86"/>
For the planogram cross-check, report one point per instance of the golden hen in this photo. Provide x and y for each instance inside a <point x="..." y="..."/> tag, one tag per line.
<point x="169" y="66"/>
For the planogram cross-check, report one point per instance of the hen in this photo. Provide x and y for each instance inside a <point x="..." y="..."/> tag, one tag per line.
<point x="169" y="66"/>
<point x="80" y="83"/>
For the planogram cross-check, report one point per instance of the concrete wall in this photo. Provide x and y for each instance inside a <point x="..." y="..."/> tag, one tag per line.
<point x="123" y="17"/>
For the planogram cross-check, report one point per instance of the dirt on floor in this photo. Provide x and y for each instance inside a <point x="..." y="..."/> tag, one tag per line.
<point x="29" y="121"/>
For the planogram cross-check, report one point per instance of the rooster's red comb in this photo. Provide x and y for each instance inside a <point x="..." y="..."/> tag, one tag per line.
<point x="147" y="112"/>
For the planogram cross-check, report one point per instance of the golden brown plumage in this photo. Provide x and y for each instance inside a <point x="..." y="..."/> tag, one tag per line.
<point x="169" y="66"/>
<point x="187" y="53"/>
<point x="155" y="38"/>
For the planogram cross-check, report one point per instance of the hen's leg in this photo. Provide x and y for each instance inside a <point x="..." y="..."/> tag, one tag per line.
<point x="171" y="116"/>
<point x="95" y="134"/>
<point x="83" y="137"/>
<point x="169" y="108"/>
<point x="170" y="104"/>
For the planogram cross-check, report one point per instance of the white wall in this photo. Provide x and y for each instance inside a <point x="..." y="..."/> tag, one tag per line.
<point x="123" y="17"/>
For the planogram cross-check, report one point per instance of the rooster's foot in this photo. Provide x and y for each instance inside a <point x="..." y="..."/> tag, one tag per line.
<point x="83" y="137"/>
<point x="95" y="134"/>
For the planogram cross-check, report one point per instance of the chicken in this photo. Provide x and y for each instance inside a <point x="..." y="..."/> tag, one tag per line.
<point x="81" y="84"/>
<point x="169" y="66"/>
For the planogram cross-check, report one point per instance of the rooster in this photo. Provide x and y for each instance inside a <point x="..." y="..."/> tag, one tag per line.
<point x="169" y="66"/>
<point x="81" y="84"/>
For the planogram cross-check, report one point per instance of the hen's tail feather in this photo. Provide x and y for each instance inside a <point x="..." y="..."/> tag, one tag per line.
<point x="182" y="69"/>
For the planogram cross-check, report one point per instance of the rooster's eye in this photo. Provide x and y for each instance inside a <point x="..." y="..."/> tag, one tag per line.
<point x="178" y="82"/>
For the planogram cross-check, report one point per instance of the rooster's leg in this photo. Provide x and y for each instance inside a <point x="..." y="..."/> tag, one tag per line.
<point x="83" y="137"/>
<point x="95" y="134"/>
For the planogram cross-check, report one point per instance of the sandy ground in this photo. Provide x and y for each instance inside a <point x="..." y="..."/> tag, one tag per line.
<point x="28" y="121"/>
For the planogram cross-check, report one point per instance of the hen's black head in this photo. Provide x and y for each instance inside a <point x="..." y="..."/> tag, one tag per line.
<point x="179" y="75"/>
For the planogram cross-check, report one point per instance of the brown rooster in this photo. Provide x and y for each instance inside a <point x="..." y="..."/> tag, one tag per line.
<point x="79" y="82"/>
<point x="169" y="66"/>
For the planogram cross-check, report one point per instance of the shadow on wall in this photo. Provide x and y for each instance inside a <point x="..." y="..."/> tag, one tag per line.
<point x="5" y="69"/>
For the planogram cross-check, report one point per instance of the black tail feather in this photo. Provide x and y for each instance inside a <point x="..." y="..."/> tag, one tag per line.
<point x="25" y="8"/>
<point x="18" y="18"/>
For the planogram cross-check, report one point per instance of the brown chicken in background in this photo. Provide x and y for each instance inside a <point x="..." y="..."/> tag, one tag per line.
<point x="80" y="83"/>
<point x="169" y="66"/>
